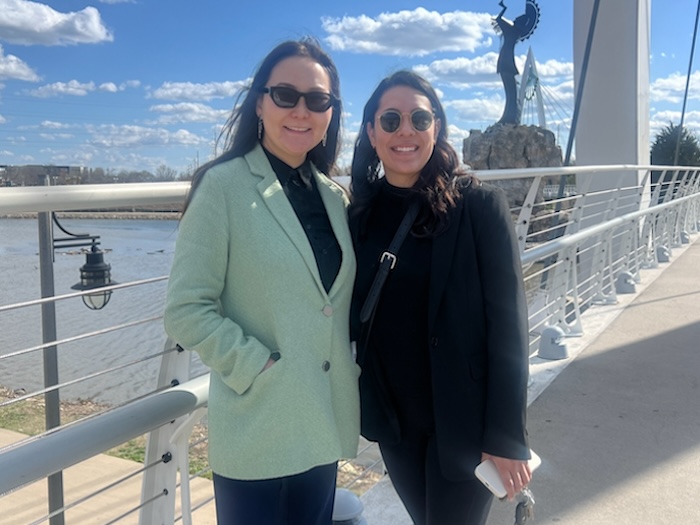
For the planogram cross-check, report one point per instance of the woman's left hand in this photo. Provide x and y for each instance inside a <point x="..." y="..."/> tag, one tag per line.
<point x="515" y="473"/>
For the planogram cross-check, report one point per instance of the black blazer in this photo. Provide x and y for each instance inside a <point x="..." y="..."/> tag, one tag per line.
<point x="478" y="339"/>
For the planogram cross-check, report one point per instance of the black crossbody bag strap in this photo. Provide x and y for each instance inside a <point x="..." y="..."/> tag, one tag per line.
<point x="387" y="261"/>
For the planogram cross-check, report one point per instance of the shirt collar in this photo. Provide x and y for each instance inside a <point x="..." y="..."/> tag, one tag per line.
<point x="284" y="171"/>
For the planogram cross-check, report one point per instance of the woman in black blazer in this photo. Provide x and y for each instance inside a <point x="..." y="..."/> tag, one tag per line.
<point x="444" y="356"/>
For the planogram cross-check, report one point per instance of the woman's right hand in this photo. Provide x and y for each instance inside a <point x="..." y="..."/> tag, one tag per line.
<point x="269" y="363"/>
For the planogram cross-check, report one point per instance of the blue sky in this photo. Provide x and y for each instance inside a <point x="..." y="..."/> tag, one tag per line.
<point x="138" y="84"/>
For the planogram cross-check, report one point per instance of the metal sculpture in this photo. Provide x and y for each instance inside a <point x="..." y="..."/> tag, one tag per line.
<point x="513" y="32"/>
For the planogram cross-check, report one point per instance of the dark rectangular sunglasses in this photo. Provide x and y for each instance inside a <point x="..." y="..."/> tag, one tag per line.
<point x="287" y="97"/>
<point x="421" y="120"/>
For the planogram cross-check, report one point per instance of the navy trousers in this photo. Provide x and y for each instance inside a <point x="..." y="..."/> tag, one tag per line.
<point x="429" y="497"/>
<point x="301" y="499"/>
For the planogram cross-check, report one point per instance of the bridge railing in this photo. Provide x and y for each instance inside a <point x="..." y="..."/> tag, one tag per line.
<point x="578" y="250"/>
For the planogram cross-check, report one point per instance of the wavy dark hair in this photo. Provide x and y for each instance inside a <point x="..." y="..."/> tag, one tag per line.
<point x="437" y="181"/>
<point x="240" y="133"/>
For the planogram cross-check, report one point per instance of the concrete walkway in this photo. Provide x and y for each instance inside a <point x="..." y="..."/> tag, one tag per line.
<point x="618" y="429"/>
<point x="29" y="504"/>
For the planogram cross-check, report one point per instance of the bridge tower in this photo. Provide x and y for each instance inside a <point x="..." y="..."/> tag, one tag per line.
<point x="613" y="122"/>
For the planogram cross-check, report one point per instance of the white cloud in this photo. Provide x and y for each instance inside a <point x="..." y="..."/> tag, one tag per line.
<point x="12" y="67"/>
<point x="555" y="69"/>
<point x="73" y="88"/>
<point x="462" y="72"/>
<point x="2" y="119"/>
<point x="192" y="91"/>
<point x="661" y="119"/>
<point x="31" y="23"/>
<point x="465" y="73"/>
<point x="672" y="88"/>
<point x="49" y="124"/>
<point x="476" y="110"/>
<point x="189" y="112"/>
<point x="112" y="136"/>
<point x="415" y="33"/>
<point x="110" y="87"/>
<point x="55" y="136"/>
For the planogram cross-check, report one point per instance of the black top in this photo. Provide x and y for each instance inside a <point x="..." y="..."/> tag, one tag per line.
<point x="400" y="328"/>
<point x="300" y="188"/>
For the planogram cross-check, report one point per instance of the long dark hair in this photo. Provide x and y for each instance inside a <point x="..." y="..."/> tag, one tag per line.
<point x="437" y="180"/>
<point x="240" y="133"/>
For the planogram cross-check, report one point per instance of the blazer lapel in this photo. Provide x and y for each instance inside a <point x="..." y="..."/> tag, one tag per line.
<point x="281" y="209"/>
<point x="441" y="262"/>
<point x="337" y="215"/>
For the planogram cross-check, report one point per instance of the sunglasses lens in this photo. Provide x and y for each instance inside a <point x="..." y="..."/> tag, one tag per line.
<point x="318" y="102"/>
<point x="390" y="121"/>
<point x="421" y="119"/>
<point x="284" y="97"/>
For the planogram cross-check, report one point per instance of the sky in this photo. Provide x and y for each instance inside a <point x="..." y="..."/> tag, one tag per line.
<point x="143" y="85"/>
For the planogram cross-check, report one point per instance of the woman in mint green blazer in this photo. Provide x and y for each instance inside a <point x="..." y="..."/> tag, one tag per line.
<point x="260" y="288"/>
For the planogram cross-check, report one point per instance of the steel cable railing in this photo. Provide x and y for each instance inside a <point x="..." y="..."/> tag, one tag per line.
<point x="569" y="268"/>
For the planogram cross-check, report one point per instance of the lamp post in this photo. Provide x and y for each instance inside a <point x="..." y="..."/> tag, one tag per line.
<point x="95" y="273"/>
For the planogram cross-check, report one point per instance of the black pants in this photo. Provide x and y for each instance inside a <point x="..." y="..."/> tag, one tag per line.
<point x="428" y="496"/>
<point x="301" y="499"/>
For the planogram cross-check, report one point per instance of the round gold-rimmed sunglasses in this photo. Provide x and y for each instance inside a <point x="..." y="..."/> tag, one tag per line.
<point x="421" y="119"/>
<point x="287" y="97"/>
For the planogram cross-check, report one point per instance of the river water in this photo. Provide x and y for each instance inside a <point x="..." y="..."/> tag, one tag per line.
<point x="136" y="249"/>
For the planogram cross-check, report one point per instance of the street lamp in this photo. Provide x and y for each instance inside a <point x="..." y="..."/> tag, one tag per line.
<point x="95" y="273"/>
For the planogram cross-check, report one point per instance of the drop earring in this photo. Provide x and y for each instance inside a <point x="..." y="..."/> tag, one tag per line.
<point x="260" y="128"/>
<point x="325" y="139"/>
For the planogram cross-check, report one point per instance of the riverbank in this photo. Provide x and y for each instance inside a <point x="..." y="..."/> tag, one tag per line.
<point x="110" y="215"/>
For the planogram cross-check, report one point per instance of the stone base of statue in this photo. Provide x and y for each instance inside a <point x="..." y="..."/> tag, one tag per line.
<point x="510" y="146"/>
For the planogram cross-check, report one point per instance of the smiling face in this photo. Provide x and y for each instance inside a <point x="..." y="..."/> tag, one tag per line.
<point x="290" y="133"/>
<point x="406" y="151"/>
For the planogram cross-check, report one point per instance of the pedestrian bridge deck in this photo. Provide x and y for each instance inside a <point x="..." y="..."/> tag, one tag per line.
<point x="617" y="424"/>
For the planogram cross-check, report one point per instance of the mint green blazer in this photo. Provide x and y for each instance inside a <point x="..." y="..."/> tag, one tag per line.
<point x="244" y="283"/>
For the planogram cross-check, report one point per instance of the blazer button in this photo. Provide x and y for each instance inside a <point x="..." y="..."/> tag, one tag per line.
<point x="326" y="366"/>
<point x="433" y="342"/>
<point x="328" y="310"/>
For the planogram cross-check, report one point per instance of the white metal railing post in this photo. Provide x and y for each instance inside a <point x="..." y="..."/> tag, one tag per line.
<point x="522" y="224"/>
<point x="161" y="450"/>
<point x="180" y="438"/>
<point x="604" y="292"/>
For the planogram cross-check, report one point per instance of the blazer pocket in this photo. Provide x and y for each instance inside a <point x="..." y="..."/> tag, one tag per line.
<point x="265" y="376"/>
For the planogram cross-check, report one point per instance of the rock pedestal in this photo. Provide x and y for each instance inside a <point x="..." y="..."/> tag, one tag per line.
<point x="509" y="146"/>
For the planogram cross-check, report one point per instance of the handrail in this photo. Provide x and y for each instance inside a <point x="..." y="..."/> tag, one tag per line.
<point x="36" y="458"/>
<point x="551" y="247"/>
<point x="27" y="199"/>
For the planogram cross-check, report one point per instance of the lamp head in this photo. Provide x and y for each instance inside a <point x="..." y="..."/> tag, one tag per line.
<point x="94" y="274"/>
